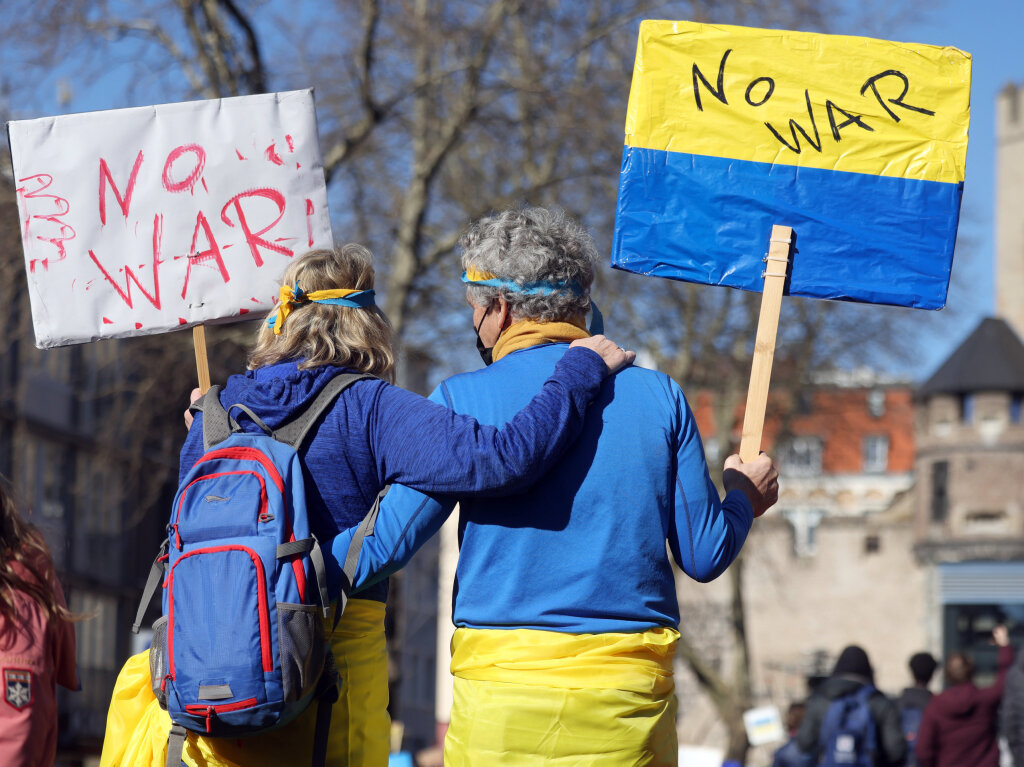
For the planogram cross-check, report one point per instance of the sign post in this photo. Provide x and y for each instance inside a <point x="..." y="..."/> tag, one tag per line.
<point x="776" y="265"/>
<point x="202" y="361"/>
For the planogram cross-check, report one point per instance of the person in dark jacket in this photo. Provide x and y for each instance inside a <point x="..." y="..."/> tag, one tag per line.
<point x="959" y="725"/>
<point x="922" y="668"/>
<point x="913" y="700"/>
<point x="852" y="672"/>
<point x="1013" y="711"/>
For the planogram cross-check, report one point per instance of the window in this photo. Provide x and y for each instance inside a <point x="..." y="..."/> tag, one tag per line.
<point x="872" y="544"/>
<point x="940" y="491"/>
<point x="805" y="530"/>
<point x="967" y="408"/>
<point x="876" y="453"/>
<point x="801" y="457"/>
<point x="987" y="522"/>
<point x="876" y="403"/>
<point x="1015" y="403"/>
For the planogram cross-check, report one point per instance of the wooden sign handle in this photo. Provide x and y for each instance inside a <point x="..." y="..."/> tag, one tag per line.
<point x="777" y="264"/>
<point x="202" y="363"/>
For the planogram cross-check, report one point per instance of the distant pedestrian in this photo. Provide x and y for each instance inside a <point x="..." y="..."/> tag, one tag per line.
<point x="1013" y="711"/>
<point x="849" y="721"/>
<point x="959" y="725"/>
<point x="37" y="642"/>
<point x="912" y="700"/>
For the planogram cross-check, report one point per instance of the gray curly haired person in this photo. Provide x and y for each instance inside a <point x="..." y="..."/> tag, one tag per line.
<point x="530" y="245"/>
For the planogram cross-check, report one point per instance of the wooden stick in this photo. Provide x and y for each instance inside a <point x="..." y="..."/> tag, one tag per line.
<point x="764" y="346"/>
<point x="202" y="363"/>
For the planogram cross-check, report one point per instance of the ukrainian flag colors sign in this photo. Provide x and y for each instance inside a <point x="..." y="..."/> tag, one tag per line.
<point x="858" y="144"/>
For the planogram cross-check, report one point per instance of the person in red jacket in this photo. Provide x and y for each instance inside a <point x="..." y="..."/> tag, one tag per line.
<point x="37" y="643"/>
<point x="959" y="725"/>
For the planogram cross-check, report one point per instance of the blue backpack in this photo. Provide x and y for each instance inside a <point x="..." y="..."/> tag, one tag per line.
<point x="240" y="647"/>
<point x="910" y="723"/>
<point x="848" y="734"/>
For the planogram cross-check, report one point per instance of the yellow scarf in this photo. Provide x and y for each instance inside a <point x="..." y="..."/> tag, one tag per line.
<point x="526" y="333"/>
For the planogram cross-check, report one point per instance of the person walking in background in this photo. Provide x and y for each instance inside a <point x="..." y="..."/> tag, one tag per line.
<point x="37" y="642"/>
<point x="1013" y="711"/>
<point x="849" y="721"/>
<point x="959" y="726"/>
<point x="913" y="700"/>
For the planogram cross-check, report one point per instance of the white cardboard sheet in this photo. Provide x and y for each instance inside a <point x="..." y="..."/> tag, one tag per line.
<point x="138" y="221"/>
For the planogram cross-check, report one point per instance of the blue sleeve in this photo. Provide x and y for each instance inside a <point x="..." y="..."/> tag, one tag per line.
<point x="706" y="533"/>
<point x="428" y="447"/>
<point x="192" y="450"/>
<point x="406" y="521"/>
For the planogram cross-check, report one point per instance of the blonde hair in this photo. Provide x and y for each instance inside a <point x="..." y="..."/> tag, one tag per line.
<point x="326" y="334"/>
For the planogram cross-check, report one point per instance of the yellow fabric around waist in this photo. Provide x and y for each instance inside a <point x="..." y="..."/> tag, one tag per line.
<point x="137" y="728"/>
<point x="526" y="698"/>
<point x="636" y="662"/>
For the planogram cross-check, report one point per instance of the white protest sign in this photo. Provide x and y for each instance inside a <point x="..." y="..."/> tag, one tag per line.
<point x="144" y="220"/>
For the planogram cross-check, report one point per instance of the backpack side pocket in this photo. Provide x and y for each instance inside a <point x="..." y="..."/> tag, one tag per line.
<point x="158" y="661"/>
<point x="300" y="634"/>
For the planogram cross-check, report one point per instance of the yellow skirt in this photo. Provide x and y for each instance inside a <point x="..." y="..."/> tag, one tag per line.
<point x="137" y="727"/>
<point x="531" y="698"/>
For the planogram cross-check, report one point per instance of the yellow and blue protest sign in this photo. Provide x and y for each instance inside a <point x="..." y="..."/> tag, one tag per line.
<point x="858" y="144"/>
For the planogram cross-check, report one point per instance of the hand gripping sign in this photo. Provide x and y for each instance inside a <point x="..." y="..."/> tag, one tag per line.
<point x="738" y="137"/>
<point x="145" y="220"/>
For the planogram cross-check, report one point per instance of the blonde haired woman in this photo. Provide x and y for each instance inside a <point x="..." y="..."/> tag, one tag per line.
<point x="37" y="642"/>
<point x="326" y="323"/>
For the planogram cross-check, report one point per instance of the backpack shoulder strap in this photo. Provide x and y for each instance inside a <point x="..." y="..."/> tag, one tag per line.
<point x="295" y="431"/>
<point x="216" y="424"/>
<point x="864" y="695"/>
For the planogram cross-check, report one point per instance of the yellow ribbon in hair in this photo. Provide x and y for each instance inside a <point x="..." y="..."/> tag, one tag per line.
<point x="475" y="275"/>
<point x="290" y="298"/>
<point x="526" y="333"/>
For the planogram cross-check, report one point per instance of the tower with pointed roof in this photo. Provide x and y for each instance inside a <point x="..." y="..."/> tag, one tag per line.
<point x="1009" y="226"/>
<point x="970" y="459"/>
<point x="969" y="496"/>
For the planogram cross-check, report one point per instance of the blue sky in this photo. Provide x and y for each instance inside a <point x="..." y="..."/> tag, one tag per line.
<point x="990" y="30"/>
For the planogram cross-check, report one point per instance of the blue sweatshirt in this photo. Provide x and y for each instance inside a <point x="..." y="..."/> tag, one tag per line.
<point x="376" y="434"/>
<point x="583" y="550"/>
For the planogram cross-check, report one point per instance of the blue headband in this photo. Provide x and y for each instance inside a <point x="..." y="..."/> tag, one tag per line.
<point x="540" y="287"/>
<point x="354" y="299"/>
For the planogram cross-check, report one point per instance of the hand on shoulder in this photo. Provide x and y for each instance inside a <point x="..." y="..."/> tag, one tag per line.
<point x="614" y="356"/>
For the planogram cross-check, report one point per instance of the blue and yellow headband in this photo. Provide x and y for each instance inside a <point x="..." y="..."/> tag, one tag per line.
<point x="474" y="276"/>
<point x="290" y="298"/>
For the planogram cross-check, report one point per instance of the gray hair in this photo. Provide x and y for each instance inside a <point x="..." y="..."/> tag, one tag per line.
<point x="531" y="245"/>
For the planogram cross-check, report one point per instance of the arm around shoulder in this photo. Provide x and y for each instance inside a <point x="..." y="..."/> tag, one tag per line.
<point x="430" y="448"/>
